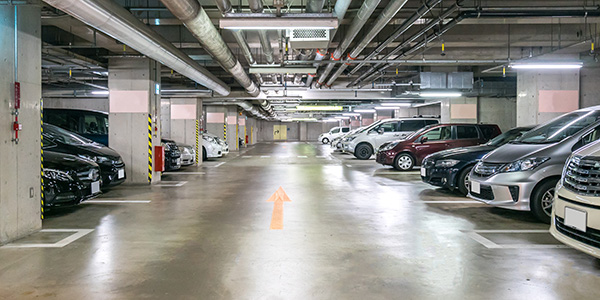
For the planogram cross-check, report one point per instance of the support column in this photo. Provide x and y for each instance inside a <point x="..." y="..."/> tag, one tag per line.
<point x="199" y="130"/>
<point x="134" y="119"/>
<point x="231" y="121"/>
<point x="303" y="131"/>
<point x="215" y="121"/>
<point x="242" y="130"/>
<point x="545" y="94"/>
<point x="20" y="61"/>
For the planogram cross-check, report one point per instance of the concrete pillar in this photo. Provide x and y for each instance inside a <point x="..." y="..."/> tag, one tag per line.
<point x="545" y="94"/>
<point x="165" y="117"/>
<point x="367" y="119"/>
<point x="242" y="130"/>
<point x="303" y="131"/>
<point x="215" y="121"/>
<point x="20" y="61"/>
<point x="500" y="111"/>
<point x="181" y="120"/>
<point x="589" y="87"/>
<point x="134" y="115"/>
<point x="459" y="110"/>
<point x="231" y="120"/>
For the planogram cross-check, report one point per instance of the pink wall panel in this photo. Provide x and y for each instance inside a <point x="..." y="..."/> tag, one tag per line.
<point x="463" y="111"/>
<point x="183" y="111"/>
<point x="128" y="101"/>
<point x="558" y="101"/>
<point x="213" y="117"/>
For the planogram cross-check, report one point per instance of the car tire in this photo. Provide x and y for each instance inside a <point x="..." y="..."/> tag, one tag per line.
<point x="363" y="151"/>
<point x="204" y="155"/>
<point x="462" y="181"/>
<point x="541" y="201"/>
<point x="325" y="141"/>
<point x="404" y="162"/>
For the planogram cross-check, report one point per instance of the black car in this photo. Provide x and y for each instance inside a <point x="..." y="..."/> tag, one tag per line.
<point x="112" y="168"/>
<point x="68" y="179"/>
<point x="451" y="168"/>
<point x="87" y="123"/>
<point x="172" y="155"/>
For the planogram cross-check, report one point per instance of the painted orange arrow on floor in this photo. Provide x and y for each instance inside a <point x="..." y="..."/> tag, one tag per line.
<point x="277" y="218"/>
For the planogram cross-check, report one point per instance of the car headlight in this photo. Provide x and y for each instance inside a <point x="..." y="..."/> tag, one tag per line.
<point x="167" y="146"/>
<point x="524" y="164"/>
<point x="101" y="159"/>
<point x="350" y="138"/>
<point x="446" y="163"/>
<point x="57" y="175"/>
<point x="389" y="146"/>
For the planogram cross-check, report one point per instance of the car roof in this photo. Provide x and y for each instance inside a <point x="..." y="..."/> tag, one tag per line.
<point x="78" y="110"/>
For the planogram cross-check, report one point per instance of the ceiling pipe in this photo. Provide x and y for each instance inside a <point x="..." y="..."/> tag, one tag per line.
<point x="224" y="6"/>
<point x="359" y="21"/>
<point x="256" y="6"/>
<point x="115" y="21"/>
<point x="239" y="37"/>
<point x="266" y="46"/>
<point x="199" y="24"/>
<point x="339" y="10"/>
<point x="408" y="23"/>
<point x="312" y="6"/>
<point x="384" y="18"/>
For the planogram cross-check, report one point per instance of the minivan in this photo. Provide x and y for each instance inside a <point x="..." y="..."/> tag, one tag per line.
<point x="522" y="174"/>
<point x="576" y="209"/>
<point x="335" y="132"/>
<point x="87" y="123"/>
<point x="364" y="143"/>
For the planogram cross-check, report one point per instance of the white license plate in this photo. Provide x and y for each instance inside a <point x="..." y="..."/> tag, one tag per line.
<point x="475" y="187"/>
<point x="179" y="161"/>
<point x="423" y="172"/>
<point x="95" y="187"/>
<point x="121" y="173"/>
<point x="576" y="219"/>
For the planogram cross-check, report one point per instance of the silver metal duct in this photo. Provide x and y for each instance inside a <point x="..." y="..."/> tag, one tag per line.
<point x="239" y="37"/>
<point x="224" y="6"/>
<point x="115" y="21"/>
<point x="359" y="21"/>
<point x="256" y="6"/>
<point x="199" y="24"/>
<point x="421" y="11"/>
<point x="266" y="46"/>
<point x="312" y="6"/>
<point x="247" y="106"/>
<point x="384" y="18"/>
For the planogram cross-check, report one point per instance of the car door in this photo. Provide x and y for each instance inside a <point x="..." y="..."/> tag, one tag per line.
<point x="465" y="135"/>
<point x="333" y="133"/>
<point x="387" y="131"/>
<point x="433" y="140"/>
<point x="407" y="127"/>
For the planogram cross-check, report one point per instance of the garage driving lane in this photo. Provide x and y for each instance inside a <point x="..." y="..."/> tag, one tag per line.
<point x="354" y="230"/>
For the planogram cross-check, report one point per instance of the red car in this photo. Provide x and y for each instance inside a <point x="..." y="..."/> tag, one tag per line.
<point x="405" y="154"/>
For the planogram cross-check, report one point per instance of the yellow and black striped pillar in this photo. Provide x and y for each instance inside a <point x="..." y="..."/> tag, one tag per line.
<point x="42" y="158"/>
<point x="197" y="141"/>
<point x="225" y="131"/>
<point x="149" y="148"/>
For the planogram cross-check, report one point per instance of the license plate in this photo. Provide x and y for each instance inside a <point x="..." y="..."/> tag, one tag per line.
<point x="95" y="187"/>
<point x="423" y="172"/>
<point x="576" y="219"/>
<point x="475" y="187"/>
<point x="121" y="173"/>
<point x="179" y="161"/>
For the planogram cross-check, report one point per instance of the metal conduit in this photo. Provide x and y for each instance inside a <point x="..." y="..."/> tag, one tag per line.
<point x="312" y="6"/>
<point x="425" y="8"/>
<point x="359" y="21"/>
<point x="224" y="6"/>
<point x="199" y="24"/>
<point x="115" y="21"/>
<point x="384" y="18"/>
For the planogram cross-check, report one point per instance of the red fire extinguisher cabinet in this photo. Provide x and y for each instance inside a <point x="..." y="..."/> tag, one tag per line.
<point x="159" y="159"/>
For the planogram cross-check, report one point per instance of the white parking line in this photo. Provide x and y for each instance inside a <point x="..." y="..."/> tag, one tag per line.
<point x="320" y="156"/>
<point x="78" y="233"/>
<point x="302" y="156"/>
<point x="247" y="156"/>
<point x="219" y="164"/>
<point x="184" y="173"/>
<point x="100" y="201"/>
<point x="171" y="183"/>
<point x="476" y="236"/>
<point x="452" y="202"/>
<point x="265" y="156"/>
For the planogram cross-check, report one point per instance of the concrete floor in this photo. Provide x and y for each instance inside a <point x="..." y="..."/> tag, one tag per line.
<point x="354" y="230"/>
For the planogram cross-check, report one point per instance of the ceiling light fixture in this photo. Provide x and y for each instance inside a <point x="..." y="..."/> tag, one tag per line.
<point x="396" y="104"/>
<point x="364" y="111"/>
<point x="342" y="117"/>
<point x="387" y="107"/>
<point x="100" y="92"/>
<point x="351" y="115"/>
<point x="541" y="65"/>
<point x="320" y="108"/>
<point x="330" y="120"/>
<point x="448" y="94"/>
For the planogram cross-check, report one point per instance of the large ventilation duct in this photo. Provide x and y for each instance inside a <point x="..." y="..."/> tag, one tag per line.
<point x="266" y="46"/>
<point x="421" y="11"/>
<point x="199" y="24"/>
<point x="239" y="38"/>
<point x="224" y="6"/>
<point x="247" y="106"/>
<point x="312" y="6"/>
<point x="359" y="21"/>
<point x="115" y="21"/>
<point x="384" y="18"/>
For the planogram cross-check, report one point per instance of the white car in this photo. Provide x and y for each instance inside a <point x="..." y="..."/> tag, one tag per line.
<point x="211" y="148"/>
<point x="364" y="143"/>
<point x="335" y="132"/>
<point x="188" y="154"/>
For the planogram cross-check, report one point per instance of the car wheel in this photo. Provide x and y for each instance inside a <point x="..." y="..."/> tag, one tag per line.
<point x="363" y="151"/>
<point x="462" y="181"/>
<point x="404" y="162"/>
<point x="542" y="200"/>
<point x="325" y="141"/>
<point x="204" y="156"/>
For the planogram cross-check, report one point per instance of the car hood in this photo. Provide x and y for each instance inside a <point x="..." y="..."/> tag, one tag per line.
<point x="66" y="162"/>
<point x="512" y="152"/>
<point x="97" y="149"/>
<point x="464" y="153"/>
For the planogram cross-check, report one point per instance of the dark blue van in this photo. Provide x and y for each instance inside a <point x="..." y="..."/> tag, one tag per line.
<point x="88" y="123"/>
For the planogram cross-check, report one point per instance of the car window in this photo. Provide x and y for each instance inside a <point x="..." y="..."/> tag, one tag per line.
<point x="47" y="143"/>
<point x="507" y="137"/>
<point x="345" y="129"/>
<point x="412" y="125"/>
<point x="431" y="122"/>
<point x="63" y="136"/>
<point x="94" y="124"/>
<point x="489" y="131"/>
<point x="335" y="130"/>
<point x="389" y="126"/>
<point x="64" y="120"/>
<point x="438" y="134"/>
<point x="466" y="132"/>
<point x="590" y="137"/>
<point x="560" y="128"/>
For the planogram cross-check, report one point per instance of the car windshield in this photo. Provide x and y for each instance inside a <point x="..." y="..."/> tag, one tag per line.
<point x="418" y="131"/>
<point x="65" y="136"/>
<point x="507" y="137"/>
<point x="561" y="128"/>
<point x="363" y="129"/>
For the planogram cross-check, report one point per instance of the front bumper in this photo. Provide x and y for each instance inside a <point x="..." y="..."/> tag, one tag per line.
<point x="506" y="190"/>
<point x="113" y="175"/>
<point x="385" y="157"/>
<point x="348" y="147"/>
<point x="588" y="241"/>
<point x="172" y="162"/>
<point x="442" y="177"/>
<point x="187" y="159"/>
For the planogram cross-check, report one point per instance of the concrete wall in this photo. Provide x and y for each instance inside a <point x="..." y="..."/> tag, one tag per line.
<point x="590" y="86"/>
<point x="99" y="104"/>
<point x="20" y="191"/>
<point x="182" y="130"/>
<point x="500" y="111"/>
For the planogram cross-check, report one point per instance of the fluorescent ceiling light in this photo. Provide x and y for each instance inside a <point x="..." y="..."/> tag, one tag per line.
<point x="342" y="117"/>
<point x="330" y="120"/>
<point x="303" y="119"/>
<point x="100" y="92"/>
<point x="320" y="107"/>
<point x="364" y="110"/>
<point x="395" y="104"/>
<point x="272" y="22"/>
<point x="387" y="107"/>
<point x="557" y="65"/>
<point x="440" y="94"/>
<point x="350" y="115"/>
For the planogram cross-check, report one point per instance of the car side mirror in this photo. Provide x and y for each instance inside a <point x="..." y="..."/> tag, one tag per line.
<point x="380" y="131"/>
<point x="424" y="139"/>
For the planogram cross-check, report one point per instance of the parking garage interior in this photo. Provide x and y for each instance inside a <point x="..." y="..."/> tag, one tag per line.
<point x="292" y="149"/>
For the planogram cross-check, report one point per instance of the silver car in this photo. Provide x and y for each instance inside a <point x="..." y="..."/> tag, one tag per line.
<point x="522" y="175"/>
